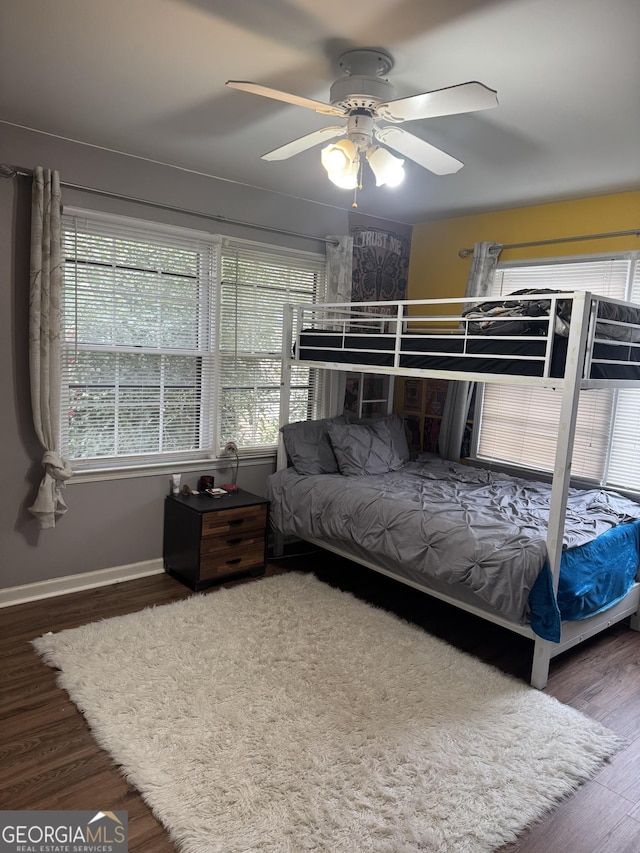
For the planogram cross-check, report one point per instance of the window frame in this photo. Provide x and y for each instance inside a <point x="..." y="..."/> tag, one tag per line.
<point x="88" y="469"/>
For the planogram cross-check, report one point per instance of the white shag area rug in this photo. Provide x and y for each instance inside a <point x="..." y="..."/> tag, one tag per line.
<point x="284" y="715"/>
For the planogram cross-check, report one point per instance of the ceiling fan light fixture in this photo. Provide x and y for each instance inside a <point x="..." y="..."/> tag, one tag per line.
<point x="341" y="161"/>
<point x="386" y="168"/>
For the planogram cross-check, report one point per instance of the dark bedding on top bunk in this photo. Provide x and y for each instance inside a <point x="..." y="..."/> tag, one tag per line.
<point x="459" y="525"/>
<point x="446" y="353"/>
<point x="511" y="316"/>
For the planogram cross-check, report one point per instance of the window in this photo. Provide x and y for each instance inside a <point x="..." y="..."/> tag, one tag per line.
<point x="256" y="282"/>
<point x="518" y="425"/>
<point x="164" y="359"/>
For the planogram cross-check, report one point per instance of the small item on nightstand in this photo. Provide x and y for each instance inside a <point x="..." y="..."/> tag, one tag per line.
<point x="186" y="490"/>
<point x="231" y="449"/>
<point x="205" y="482"/>
<point x="175" y="484"/>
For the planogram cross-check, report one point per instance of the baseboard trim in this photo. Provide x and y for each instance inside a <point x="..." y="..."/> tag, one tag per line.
<point x="76" y="583"/>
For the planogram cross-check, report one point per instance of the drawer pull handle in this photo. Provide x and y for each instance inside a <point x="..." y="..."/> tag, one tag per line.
<point x="235" y="541"/>
<point x="233" y="562"/>
<point x="236" y="521"/>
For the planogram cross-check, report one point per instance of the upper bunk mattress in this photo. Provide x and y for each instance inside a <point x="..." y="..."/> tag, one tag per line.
<point x="499" y="355"/>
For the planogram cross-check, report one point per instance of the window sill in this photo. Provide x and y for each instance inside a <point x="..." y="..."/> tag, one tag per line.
<point x="204" y="466"/>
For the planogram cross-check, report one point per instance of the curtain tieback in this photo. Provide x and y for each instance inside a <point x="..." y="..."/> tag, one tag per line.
<point x="56" y="466"/>
<point x="49" y="501"/>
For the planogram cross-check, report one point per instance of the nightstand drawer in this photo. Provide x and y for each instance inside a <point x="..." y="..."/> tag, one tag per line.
<point x="232" y="560"/>
<point x="248" y="540"/>
<point x="234" y="521"/>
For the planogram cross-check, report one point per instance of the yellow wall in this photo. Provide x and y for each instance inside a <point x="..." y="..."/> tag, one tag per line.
<point x="436" y="270"/>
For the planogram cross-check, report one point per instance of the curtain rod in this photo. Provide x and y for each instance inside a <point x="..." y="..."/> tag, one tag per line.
<point x="464" y="253"/>
<point x="7" y="171"/>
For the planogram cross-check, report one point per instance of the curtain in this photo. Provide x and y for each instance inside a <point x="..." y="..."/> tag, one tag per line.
<point x="44" y="341"/>
<point x="339" y="287"/>
<point x="339" y="269"/>
<point x="456" y="406"/>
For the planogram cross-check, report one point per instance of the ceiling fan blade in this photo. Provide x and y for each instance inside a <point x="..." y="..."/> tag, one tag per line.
<point x="465" y="98"/>
<point x="256" y="89"/>
<point x="304" y="142"/>
<point x="416" y="149"/>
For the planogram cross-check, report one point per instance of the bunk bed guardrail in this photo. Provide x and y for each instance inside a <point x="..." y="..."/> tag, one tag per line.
<point x="408" y="335"/>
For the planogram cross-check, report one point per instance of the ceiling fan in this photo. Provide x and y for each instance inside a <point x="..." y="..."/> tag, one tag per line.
<point x="364" y="98"/>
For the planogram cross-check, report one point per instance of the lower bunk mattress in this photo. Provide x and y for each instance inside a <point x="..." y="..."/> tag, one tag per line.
<point x="476" y="534"/>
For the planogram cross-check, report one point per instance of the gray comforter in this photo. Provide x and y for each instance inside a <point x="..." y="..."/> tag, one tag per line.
<point x="435" y="519"/>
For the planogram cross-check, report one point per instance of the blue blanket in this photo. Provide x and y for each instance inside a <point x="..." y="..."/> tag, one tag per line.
<point x="593" y="577"/>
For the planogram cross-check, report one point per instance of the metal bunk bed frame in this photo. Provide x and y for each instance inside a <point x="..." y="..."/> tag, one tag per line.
<point x="582" y="336"/>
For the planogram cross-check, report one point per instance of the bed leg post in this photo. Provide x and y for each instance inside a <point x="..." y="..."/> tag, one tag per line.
<point x="541" y="659"/>
<point x="634" y="622"/>
<point x="277" y="544"/>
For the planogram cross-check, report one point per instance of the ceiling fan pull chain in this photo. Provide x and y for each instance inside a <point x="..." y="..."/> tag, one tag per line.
<point x="358" y="185"/>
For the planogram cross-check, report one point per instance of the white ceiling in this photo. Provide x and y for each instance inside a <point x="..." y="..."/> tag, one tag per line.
<point x="147" y="78"/>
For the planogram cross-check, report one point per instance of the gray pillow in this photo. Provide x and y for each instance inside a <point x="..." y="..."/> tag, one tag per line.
<point x="396" y="428"/>
<point x="364" y="448"/>
<point x="308" y="447"/>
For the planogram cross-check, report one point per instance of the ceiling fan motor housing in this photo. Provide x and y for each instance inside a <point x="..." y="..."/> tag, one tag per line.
<point x="360" y="92"/>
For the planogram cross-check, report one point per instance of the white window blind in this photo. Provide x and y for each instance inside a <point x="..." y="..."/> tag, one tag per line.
<point x="519" y="425"/>
<point x="624" y="460"/>
<point x="256" y="282"/>
<point x="138" y="341"/>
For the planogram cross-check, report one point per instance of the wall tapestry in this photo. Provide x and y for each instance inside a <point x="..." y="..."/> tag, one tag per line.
<point x="380" y="270"/>
<point x="380" y="259"/>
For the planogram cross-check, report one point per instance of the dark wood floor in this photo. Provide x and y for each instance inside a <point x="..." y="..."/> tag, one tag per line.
<point x="49" y="760"/>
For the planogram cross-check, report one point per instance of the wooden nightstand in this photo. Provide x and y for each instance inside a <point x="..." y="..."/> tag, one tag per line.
<point x="207" y="539"/>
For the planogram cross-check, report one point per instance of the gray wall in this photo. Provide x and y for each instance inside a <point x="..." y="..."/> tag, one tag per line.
<point x="113" y="522"/>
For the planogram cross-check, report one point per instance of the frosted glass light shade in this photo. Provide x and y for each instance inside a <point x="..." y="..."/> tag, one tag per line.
<point x="386" y="168"/>
<point x="341" y="161"/>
